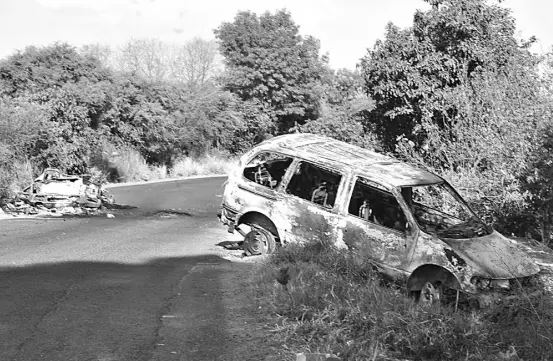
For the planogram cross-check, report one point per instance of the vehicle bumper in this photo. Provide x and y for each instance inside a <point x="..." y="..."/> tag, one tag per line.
<point x="228" y="216"/>
<point x="523" y="289"/>
<point x="494" y="298"/>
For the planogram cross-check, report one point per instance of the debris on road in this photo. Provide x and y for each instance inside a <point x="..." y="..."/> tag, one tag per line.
<point x="56" y="193"/>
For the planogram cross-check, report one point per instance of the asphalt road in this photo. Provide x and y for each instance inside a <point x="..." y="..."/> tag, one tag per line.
<point x="149" y="284"/>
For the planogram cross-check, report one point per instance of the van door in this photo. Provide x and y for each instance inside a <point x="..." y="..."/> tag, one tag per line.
<point x="376" y="226"/>
<point x="311" y="203"/>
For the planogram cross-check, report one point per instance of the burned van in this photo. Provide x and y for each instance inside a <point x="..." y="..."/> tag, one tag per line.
<point x="408" y="222"/>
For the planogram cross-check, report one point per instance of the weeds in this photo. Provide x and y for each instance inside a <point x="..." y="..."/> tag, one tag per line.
<point x="338" y="304"/>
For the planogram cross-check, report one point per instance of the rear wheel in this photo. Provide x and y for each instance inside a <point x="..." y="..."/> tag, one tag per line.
<point x="259" y="241"/>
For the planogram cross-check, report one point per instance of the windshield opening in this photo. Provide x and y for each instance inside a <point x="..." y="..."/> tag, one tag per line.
<point x="439" y="210"/>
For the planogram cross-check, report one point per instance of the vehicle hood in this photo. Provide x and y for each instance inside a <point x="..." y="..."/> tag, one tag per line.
<point x="494" y="256"/>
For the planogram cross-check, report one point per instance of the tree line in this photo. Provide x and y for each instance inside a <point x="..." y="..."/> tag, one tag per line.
<point x="456" y="93"/>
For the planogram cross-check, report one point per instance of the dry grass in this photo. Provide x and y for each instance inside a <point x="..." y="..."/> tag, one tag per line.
<point x="15" y="177"/>
<point x="337" y="304"/>
<point x="130" y="166"/>
<point x="127" y="165"/>
<point x="206" y="165"/>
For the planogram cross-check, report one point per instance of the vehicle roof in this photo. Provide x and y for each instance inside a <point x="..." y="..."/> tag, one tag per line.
<point x="341" y="155"/>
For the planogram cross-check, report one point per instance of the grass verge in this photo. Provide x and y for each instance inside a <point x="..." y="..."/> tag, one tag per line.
<point x="335" y="303"/>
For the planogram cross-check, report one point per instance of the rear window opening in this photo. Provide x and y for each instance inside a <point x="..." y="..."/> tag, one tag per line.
<point x="267" y="169"/>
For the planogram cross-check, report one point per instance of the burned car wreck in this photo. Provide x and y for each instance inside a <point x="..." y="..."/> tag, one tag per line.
<point x="411" y="224"/>
<point x="54" y="190"/>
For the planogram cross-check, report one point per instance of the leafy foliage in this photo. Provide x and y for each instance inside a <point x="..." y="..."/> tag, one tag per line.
<point x="537" y="180"/>
<point x="342" y="109"/>
<point x="38" y="69"/>
<point x="21" y="126"/>
<point x="84" y="104"/>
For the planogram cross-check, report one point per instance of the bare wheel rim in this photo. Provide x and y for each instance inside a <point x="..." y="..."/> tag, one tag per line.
<point x="430" y="294"/>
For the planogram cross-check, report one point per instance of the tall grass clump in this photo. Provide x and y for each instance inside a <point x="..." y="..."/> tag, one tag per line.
<point x="125" y="164"/>
<point x="335" y="302"/>
<point x="14" y="177"/>
<point x="205" y="165"/>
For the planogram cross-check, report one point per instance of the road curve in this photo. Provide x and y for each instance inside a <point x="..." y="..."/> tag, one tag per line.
<point x="150" y="284"/>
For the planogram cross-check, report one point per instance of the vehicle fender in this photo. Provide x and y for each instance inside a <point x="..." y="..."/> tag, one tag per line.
<point x="433" y="273"/>
<point x="279" y="224"/>
<point x="431" y="251"/>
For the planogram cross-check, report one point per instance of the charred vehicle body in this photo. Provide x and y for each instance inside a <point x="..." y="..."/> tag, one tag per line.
<point x="52" y="189"/>
<point x="408" y="222"/>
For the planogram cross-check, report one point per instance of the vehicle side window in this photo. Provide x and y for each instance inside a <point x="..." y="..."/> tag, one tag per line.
<point x="376" y="206"/>
<point x="314" y="184"/>
<point x="267" y="169"/>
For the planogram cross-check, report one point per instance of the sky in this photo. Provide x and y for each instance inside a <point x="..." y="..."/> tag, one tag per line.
<point x="346" y="28"/>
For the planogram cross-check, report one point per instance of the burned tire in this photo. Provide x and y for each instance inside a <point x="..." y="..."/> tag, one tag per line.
<point x="259" y="242"/>
<point x="430" y="294"/>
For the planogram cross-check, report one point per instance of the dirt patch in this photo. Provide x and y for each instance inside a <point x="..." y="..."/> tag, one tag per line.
<point x="170" y="213"/>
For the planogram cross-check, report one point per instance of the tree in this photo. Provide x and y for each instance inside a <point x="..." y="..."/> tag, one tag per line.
<point x="268" y="61"/>
<point x="195" y="63"/>
<point x="411" y="74"/>
<point x="459" y="94"/>
<point x="148" y="58"/>
<point x="537" y="180"/>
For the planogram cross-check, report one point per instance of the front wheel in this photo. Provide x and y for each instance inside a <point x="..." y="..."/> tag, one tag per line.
<point x="431" y="294"/>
